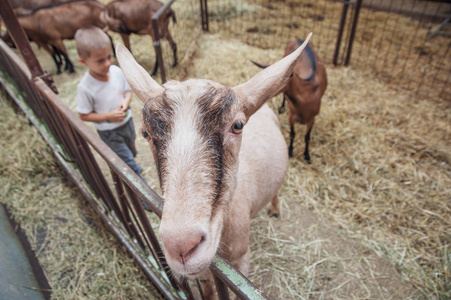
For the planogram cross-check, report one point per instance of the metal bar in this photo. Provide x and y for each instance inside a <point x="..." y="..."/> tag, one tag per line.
<point x="156" y="43"/>
<point x="353" y="29"/>
<point x="204" y="15"/>
<point x="128" y="224"/>
<point x="187" y="289"/>
<point x="236" y="281"/>
<point x="221" y="289"/>
<point x="340" y="32"/>
<point x="157" y="46"/>
<point x="162" y="9"/>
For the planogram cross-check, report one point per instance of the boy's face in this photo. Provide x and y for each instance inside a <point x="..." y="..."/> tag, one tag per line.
<point x="99" y="63"/>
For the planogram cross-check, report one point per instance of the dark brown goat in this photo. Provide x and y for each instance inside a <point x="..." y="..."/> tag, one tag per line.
<point x="304" y="91"/>
<point x="135" y="16"/>
<point x="50" y="26"/>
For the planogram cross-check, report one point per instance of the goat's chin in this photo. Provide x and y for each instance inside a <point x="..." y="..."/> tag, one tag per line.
<point x="194" y="268"/>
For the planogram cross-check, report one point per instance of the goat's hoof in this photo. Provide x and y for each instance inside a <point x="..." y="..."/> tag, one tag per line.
<point x="308" y="160"/>
<point x="272" y="213"/>
<point x="290" y="153"/>
<point x="281" y="110"/>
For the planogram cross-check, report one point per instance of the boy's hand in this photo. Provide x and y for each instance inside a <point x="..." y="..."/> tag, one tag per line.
<point x="117" y="115"/>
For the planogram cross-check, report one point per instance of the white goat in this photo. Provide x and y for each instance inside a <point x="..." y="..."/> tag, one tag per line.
<point x="220" y="157"/>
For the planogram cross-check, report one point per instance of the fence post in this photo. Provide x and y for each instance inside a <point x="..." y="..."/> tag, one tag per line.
<point x="340" y="31"/>
<point x="156" y="43"/>
<point x="204" y="15"/>
<point x="353" y="29"/>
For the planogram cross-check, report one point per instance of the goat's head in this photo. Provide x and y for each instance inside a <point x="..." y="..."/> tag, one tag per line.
<point x="194" y="129"/>
<point x="110" y="22"/>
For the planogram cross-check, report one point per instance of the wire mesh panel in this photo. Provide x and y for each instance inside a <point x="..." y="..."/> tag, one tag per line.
<point x="405" y="42"/>
<point x="271" y="24"/>
<point x="394" y="38"/>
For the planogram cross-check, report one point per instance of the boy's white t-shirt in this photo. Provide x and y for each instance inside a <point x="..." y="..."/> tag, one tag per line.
<point x="100" y="97"/>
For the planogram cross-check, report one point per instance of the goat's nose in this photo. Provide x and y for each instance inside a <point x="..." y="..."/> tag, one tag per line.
<point x="182" y="246"/>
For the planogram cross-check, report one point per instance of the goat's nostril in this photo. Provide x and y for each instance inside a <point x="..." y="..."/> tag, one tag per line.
<point x="192" y="250"/>
<point x="191" y="245"/>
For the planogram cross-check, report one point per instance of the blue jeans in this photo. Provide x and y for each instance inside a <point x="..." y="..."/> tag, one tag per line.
<point x="122" y="141"/>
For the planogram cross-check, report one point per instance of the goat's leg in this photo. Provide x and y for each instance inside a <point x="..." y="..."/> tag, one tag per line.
<point x="60" y="56"/>
<point x="69" y="65"/>
<point x="282" y="107"/>
<point x="112" y="45"/>
<point x="126" y="40"/>
<point x="55" y="55"/>
<point x="63" y="51"/>
<point x="155" y="69"/>
<point x="292" y="135"/>
<point x="208" y="287"/>
<point x="307" y="141"/>
<point x="57" y="62"/>
<point x="174" y="48"/>
<point x="273" y="211"/>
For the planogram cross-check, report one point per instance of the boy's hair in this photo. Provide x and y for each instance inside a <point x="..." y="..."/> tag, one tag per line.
<point x="90" y="38"/>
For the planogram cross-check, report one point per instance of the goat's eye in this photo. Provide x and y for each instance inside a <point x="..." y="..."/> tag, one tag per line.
<point x="237" y="127"/>
<point x="145" y="134"/>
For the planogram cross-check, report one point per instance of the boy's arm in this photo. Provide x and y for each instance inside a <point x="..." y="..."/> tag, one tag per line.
<point x="116" y="115"/>
<point x="125" y="104"/>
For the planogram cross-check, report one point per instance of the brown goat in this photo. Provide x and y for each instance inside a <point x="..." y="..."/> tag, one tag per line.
<point x="48" y="27"/>
<point x="27" y="7"/>
<point x="52" y="50"/>
<point x="135" y="16"/>
<point x="304" y="91"/>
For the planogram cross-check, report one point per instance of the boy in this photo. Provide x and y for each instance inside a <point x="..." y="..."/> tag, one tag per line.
<point x="103" y="95"/>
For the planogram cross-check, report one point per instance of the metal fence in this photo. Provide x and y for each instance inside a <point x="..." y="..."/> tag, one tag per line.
<point x="404" y="42"/>
<point x="80" y="151"/>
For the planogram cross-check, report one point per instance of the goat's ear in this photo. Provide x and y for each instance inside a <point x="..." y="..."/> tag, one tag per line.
<point x="138" y="78"/>
<point x="269" y="82"/>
